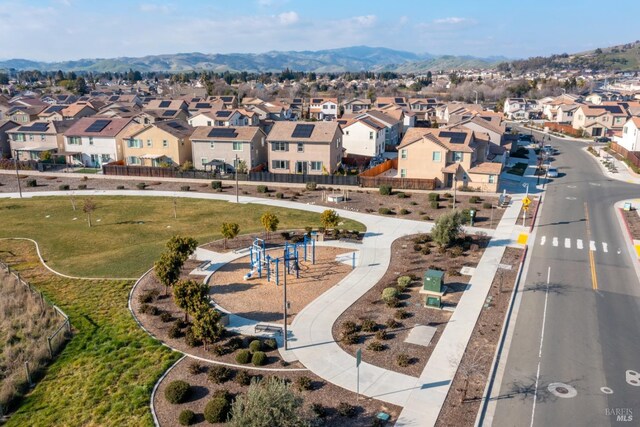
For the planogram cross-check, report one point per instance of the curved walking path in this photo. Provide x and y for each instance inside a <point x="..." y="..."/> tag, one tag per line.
<point x="311" y="332"/>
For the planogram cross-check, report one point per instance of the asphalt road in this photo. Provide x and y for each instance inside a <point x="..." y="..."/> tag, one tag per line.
<point x="570" y="328"/>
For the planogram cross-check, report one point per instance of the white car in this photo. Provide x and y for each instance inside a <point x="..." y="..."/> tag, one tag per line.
<point x="552" y="173"/>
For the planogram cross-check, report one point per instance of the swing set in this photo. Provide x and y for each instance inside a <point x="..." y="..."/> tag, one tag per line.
<point x="260" y="260"/>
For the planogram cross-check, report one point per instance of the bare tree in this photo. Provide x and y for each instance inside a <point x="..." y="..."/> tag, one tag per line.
<point x="88" y="207"/>
<point x="472" y="366"/>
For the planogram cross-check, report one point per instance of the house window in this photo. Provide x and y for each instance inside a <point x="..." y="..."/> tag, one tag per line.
<point x="30" y="137"/>
<point x="403" y="153"/>
<point x="90" y="140"/>
<point x="75" y="140"/>
<point x="43" y="138"/>
<point x="457" y="156"/>
<point x="133" y="160"/>
<point x="211" y="145"/>
<point x="149" y="143"/>
<point x="106" y="158"/>
<point x="208" y="122"/>
<point x="436" y="156"/>
<point x="338" y="143"/>
<point x="131" y="143"/>
<point x="492" y="179"/>
<point x="165" y="143"/>
<point x="237" y="146"/>
<point x="370" y="135"/>
<point x="203" y="161"/>
<point x="315" y="166"/>
<point x="280" y="164"/>
<point x="279" y="146"/>
<point x="403" y="173"/>
<point x="300" y="147"/>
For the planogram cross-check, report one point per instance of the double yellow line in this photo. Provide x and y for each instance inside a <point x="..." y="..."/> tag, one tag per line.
<point x="592" y="263"/>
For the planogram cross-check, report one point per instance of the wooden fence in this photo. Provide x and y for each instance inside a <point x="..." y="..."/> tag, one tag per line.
<point x="632" y="156"/>
<point x="372" y="178"/>
<point x="563" y="128"/>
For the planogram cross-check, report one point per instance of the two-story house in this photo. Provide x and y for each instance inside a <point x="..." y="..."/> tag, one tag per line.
<point x="453" y="157"/>
<point x="163" y="142"/>
<point x="383" y="101"/>
<point x="52" y="113"/>
<point x="23" y="114"/>
<point x="33" y="139"/>
<point x="599" y="120"/>
<point x="363" y="137"/>
<point x="630" y="138"/>
<point x="5" y="145"/>
<point x="219" y="118"/>
<point x="357" y="105"/>
<point x="228" y="101"/>
<point x="394" y="126"/>
<point x="94" y="141"/>
<point x="323" y="108"/>
<point x="223" y="148"/>
<point x="307" y="148"/>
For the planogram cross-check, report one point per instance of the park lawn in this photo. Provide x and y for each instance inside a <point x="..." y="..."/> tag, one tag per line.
<point x="105" y="374"/>
<point x="128" y="233"/>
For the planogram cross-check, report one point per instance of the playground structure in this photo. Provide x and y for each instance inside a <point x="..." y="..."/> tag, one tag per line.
<point x="260" y="260"/>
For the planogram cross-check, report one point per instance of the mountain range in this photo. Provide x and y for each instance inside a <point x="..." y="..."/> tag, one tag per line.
<point x="356" y="58"/>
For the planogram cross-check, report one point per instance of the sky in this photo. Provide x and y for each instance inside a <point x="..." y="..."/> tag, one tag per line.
<point x="53" y="30"/>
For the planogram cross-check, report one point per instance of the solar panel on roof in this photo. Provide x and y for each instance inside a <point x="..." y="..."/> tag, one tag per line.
<point x="203" y="105"/>
<point x="222" y="133"/>
<point x="223" y="113"/>
<point x="302" y="131"/>
<point x="227" y="98"/>
<point x="98" y="125"/>
<point x="316" y="100"/>
<point x="114" y="98"/>
<point x="35" y="127"/>
<point x="169" y="113"/>
<point x="297" y="100"/>
<point x="165" y="104"/>
<point x="176" y="125"/>
<point x="454" y="137"/>
<point x="399" y="100"/>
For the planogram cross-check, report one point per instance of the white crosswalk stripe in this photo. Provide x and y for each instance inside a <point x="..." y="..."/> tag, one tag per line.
<point x="579" y="243"/>
<point x="567" y="243"/>
<point x="604" y="247"/>
<point x="555" y="241"/>
<point x="592" y="246"/>
<point x="543" y="239"/>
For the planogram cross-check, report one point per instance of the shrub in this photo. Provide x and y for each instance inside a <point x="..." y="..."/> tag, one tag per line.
<point x="63" y="187"/>
<point x="381" y="335"/>
<point x="402" y="195"/>
<point x="303" y="383"/>
<point x="403" y="360"/>
<point x="217" y="410"/>
<point x="404" y="211"/>
<point x="31" y="183"/>
<point x="311" y="186"/>
<point x="219" y="374"/>
<point x="434" y="205"/>
<point x="279" y="195"/>
<point x="147" y="297"/>
<point x="166" y="317"/>
<point x="455" y="252"/>
<point x="389" y="294"/>
<point x="262" y="189"/>
<point x="350" y="339"/>
<point x="403" y="282"/>
<point x="255" y="345"/>
<point x="216" y="185"/>
<point x="417" y="247"/>
<point x="270" y="344"/>
<point x="487" y="205"/>
<point x="243" y="378"/>
<point x="190" y="338"/>
<point x="376" y="346"/>
<point x="195" y="368"/>
<point x="413" y="203"/>
<point x="474" y="199"/>
<point x="234" y="343"/>
<point x="186" y="417"/>
<point x="120" y="187"/>
<point x="368" y="325"/>
<point x="401" y="314"/>
<point x="149" y="309"/>
<point x="177" y="391"/>
<point x="174" y="331"/>
<point x="185" y="188"/>
<point x="385" y="211"/>
<point x="243" y="356"/>
<point x="219" y="350"/>
<point x="318" y="410"/>
<point x="392" y="302"/>
<point x="346" y="410"/>
<point x="259" y="358"/>
<point x="141" y="186"/>
<point x="349" y="327"/>
<point x="447" y="228"/>
<point x="82" y="187"/>
<point x="392" y="323"/>
<point x="426" y="250"/>
<point x="447" y="195"/>
<point x="385" y="190"/>
<point x="434" y="197"/>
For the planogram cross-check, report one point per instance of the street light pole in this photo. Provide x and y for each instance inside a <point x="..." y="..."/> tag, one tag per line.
<point x="455" y="182"/>
<point x="15" y="163"/>
<point x="236" y="170"/>
<point x="284" y="272"/>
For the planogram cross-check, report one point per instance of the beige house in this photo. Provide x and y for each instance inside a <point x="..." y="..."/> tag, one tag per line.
<point x="31" y="140"/>
<point x="222" y="148"/>
<point x="455" y="156"/>
<point x="599" y="120"/>
<point x="306" y="148"/>
<point x="164" y="142"/>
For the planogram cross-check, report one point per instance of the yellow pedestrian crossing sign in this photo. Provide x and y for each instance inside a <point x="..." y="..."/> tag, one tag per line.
<point x="526" y="201"/>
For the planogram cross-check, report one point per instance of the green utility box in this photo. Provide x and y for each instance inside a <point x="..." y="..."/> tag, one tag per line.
<point x="432" y="288"/>
<point x="433" y="301"/>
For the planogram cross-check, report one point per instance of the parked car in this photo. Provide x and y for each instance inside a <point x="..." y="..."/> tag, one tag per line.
<point x="552" y="173"/>
<point x="602" y="139"/>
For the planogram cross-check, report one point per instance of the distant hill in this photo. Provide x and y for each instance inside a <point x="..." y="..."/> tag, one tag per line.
<point x="615" y="58"/>
<point x="355" y="58"/>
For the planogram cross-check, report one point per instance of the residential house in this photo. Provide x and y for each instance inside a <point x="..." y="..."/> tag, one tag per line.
<point x="224" y="118"/>
<point x="630" y="139"/>
<point x="296" y="105"/>
<point x="323" y="108"/>
<point x="22" y="114"/>
<point x="402" y="114"/>
<point x="307" y="148"/>
<point x="167" y="104"/>
<point x="394" y="126"/>
<point x="363" y="137"/>
<point x="78" y="110"/>
<point x="52" y="113"/>
<point x="223" y="148"/>
<point x="521" y="108"/>
<point x="383" y="101"/>
<point x="4" y="107"/>
<point x="94" y="141"/>
<point x="229" y="102"/>
<point x="270" y="111"/>
<point x="357" y="105"/>
<point x="455" y="156"/>
<point x="599" y="120"/>
<point x="59" y="99"/>
<point x="5" y="145"/>
<point x="494" y="129"/>
<point x="31" y="140"/>
<point x="162" y="142"/>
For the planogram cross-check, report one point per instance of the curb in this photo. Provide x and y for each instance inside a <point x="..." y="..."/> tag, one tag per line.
<point x="535" y="213"/>
<point x="155" y="389"/>
<point x="496" y="358"/>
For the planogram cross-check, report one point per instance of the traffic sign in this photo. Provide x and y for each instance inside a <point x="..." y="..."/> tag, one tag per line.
<point x="525" y="208"/>
<point x="358" y="357"/>
<point x="526" y="201"/>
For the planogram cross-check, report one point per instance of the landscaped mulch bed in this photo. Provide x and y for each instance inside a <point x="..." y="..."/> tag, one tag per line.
<point x="530" y="212"/>
<point x="324" y="393"/>
<point x="407" y="258"/>
<point x="633" y="222"/>
<point x="463" y="401"/>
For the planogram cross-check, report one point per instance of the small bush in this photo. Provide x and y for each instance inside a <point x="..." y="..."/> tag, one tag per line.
<point x="311" y="186"/>
<point x="219" y="374"/>
<point x="217" y="410"/>
<point x="385" y="190"/>
<point x="404" y="211"/>
<point x="243" y="357"/>
<point x="349" y="327"/>
<point x="262" y="189"/>
<point x="243" y="378"/>
<point x="216" y="185"/>
<point x="350" y="339"/>
<point x="376" y="346"/>
<point x="401" y="314"/>
<point x="219" y="350"/>
<point x="234" y="343"/>
<point x="385" y="211"/>
<point x="369" y="325"/>
<point x="303" y="383"/>
<point x="392" y="323"/>
<point x="82" y="187"/>
<point x="389" y="294"/>
<point x="174" y="331"/>
<point x="402" y="195"/>
<point x="149" y="309"/>
<point x="279" y="195"/>
<point x="434" y="197"/>
<point x="426" y="250"/>
<point x="120" y="187"/>
<point x="147" y="297"/>
<point x="417" y="247"/>
<point x="381" y="335"/>
<point x="346" y="410"/>
<point x="486" y="205"/>
<point x="455" y="252"/>
<point x="190" y="339"/>
<point x="318" y="410"/>
<point x="63" y="187"/>
<point x="31" y="183"/>
<point x="255" y="345"/>
<point x="413" y="203"/>
<point x="474" y="199"/>
<point x="447" y="195"/>
<point x="403" y="282"/>
<point x="195" y="368"/>
<point x="185" y="188"/>
<point x="259" y="358"/>
<point x="166" y="317"/>
<point x="403" y="360"/>
<point x="186" y="417"/>
<point x="270" y="344"/>
<point x="141" y="186"/>
<point x="434" y="205"/>
<point x="177" y="391"/>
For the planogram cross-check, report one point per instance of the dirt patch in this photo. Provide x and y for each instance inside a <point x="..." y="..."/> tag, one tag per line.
<point x="323" y="393"/>
<point x="409" y="258"/>
<point x="463" y="401"/>
<point x="633" y="222"/>
<point x="530" y="212"/>
<point x="260" y="300"/>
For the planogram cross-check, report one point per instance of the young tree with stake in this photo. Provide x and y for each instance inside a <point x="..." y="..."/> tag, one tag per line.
<point x="269" y="222"/>
<point x="229" y="230"/>
<point x="88" y="207"/>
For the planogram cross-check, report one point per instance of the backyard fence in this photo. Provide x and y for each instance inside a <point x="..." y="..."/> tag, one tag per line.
<point x="632" y="156"/>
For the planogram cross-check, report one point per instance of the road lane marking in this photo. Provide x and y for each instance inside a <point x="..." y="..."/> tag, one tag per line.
<point x="544" y="321"/>
<point x="579" y="244"/>
<point x="567" y="243"/>
<point x="637" y="250"/>
<point x="605" y="247"/>
<point x="522" y="238"/>
<point x="592" y="246"/>
<point x="535" y="395"/>
<point x="606" y="390"/>
<point x="555" y="241"/>
<point x="544" y="239"/>
<point x="592" y="263"/>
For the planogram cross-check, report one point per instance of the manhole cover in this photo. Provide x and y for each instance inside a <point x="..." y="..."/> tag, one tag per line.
<point x="562" y="390"/>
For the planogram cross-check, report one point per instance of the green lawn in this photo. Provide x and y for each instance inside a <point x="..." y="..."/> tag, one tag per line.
<point x="87" y="171"/>
<point x="518" y="169"/>
<point x="128" y="233"/>
<point x="105" y="374"/>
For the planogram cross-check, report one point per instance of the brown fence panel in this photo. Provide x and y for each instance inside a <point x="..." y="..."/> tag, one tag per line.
<point x="381" y="168"/>
<point x="399" y="183"/>
<point x="563" y="128"/>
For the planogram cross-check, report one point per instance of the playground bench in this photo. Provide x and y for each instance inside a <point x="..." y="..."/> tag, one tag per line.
<point x="261" y="327"/>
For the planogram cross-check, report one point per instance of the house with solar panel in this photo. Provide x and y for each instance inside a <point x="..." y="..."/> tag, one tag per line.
<point x="94" y="141"/>
<point x="228" y="101"/>
<point x="600" y="120"/>
<point x="363" y="136"/>
<point x="221" y="118"/>
<point x="455" y="156"/>
<point x="32" y="140"/>
<point x="25" y="114"/>
<point x="357" y="105"/>
<point x="305" y="148"/>
<point x="160" y="143"/>
<point x="221" y="149"/>
<point x="5" y="144"/>
<point x="383" y="101"/>
<point x="52" y="113"/>
<point x="323" y="108"/>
